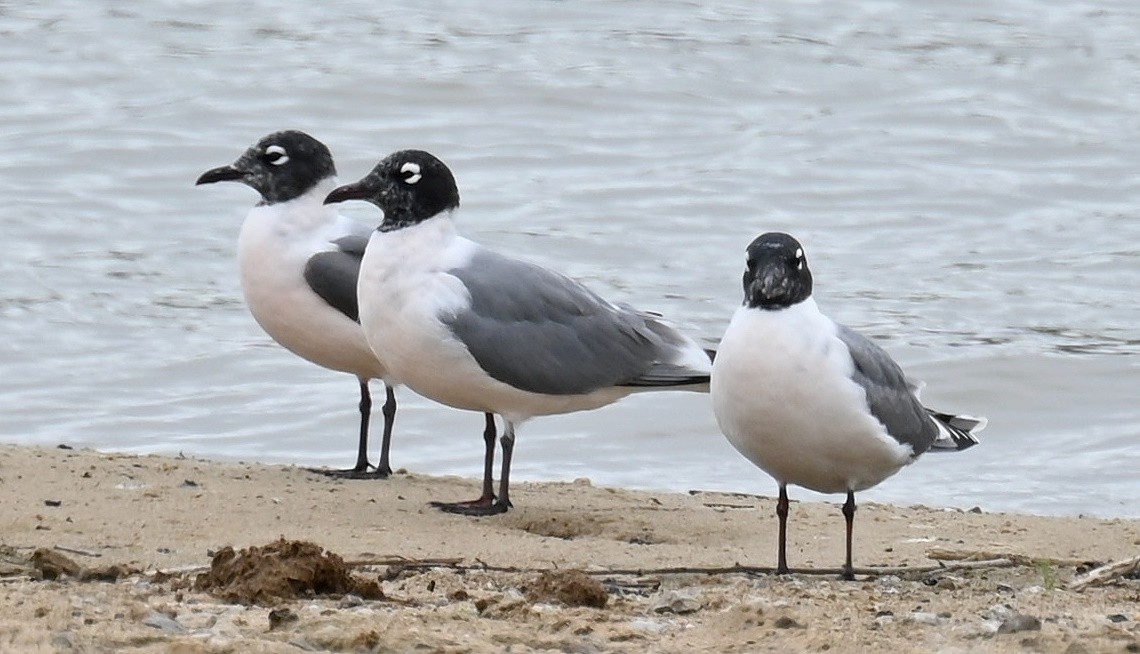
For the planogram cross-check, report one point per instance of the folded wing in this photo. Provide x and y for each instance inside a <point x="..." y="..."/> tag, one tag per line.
<point x="542" y="332"/>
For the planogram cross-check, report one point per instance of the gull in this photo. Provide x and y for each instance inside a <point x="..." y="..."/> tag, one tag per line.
<point x="811" y="402"/>
<point x="298" y="260"/>
<point x="477" y="330"/>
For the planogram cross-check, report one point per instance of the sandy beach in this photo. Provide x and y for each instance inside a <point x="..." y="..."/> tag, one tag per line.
<point x="101" y="553"/>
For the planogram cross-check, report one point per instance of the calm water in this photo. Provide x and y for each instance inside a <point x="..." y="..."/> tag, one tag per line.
<point x="965" y="180"/>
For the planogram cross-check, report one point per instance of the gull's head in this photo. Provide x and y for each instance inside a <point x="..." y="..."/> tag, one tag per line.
<point x="409" y="186"/>
<point x="281" y="166"/>
<point x="777" y="274"/>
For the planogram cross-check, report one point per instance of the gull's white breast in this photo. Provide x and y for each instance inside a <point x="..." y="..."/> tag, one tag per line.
<point x="783" y="395"/>
<point x="275" y="243"/>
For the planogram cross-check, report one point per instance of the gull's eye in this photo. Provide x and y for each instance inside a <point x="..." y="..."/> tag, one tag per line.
<point x="799" y="260"/>
<point x="276" y="155"/>
<point x="411" y="172"/>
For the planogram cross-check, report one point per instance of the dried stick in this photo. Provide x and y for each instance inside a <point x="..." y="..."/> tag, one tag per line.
<point x="939" y="554"/>
<point x="457" y="564"/>
<point x="1105" y="573"/>
<point x="73" y="550"/>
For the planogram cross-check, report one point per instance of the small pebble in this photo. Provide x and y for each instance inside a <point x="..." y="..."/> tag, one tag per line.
<point x="1019" y="622"/>
<point x="998" y="612"/>
<point x="677" y="602"/>
<point x="923" y="617"/>
<point x="280" y="617"/>
<point x="304" y="645"/>
<point x="163" y="623"/>
<point x="889" y="581"/>
<point x="646" y="626"/>
<point x="350" y="601"/>
<point x="63" y="640"/>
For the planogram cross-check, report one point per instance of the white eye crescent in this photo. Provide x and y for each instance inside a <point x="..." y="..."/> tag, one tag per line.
<point x="412" y="170"/>
<point x="276" y="155"/>
<point x="799" y="258"/>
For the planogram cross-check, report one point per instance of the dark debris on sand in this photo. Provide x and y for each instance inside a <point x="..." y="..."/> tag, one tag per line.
<point x="568" y="587"/>
<point x="52" y="565"/>
<point x="282" y="570"/>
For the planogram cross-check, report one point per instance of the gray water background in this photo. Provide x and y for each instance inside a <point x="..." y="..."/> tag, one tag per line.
<point x="963" y="176"/>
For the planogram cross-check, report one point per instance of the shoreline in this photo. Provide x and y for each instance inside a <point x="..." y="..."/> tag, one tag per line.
<point x="763" y="492"/>
<point x="681" y="572"/>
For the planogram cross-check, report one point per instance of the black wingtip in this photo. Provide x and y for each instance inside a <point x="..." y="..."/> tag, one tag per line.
<point x="956" y="433"/>
<point x="665" y="375"/>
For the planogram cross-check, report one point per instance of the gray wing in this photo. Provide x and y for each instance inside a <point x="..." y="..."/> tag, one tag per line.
<point x="332" y="275"/>
<point x="542" y="332"/>
<point x="354" y="243"/>
<point x="889" y="394"/>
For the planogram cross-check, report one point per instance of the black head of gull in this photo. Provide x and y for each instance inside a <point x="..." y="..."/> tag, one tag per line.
<point x="281" y="167"/>
<point x="777" y="274"/>
<point x="409" y="186"/>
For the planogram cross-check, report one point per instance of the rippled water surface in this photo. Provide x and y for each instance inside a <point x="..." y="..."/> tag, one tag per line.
<point x="965" y="179"/>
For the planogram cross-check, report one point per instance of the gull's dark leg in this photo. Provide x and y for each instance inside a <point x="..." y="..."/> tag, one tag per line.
<point x="485" y="505"/>
<point x="508" y="443"/>
<point x="361" y="469"/>
<point x="849" y="514"/>
<point x="365" y="414"/>
<point x="384" y="468"/>
<point x="489" y="435"/>
<point x="782" y="547"/>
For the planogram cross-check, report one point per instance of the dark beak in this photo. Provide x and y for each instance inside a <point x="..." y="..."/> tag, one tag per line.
<point x="769" y="284"/>
<point x="220" y="174"/>
<point x="772" y="281"/>
<point x="357" y="191"/>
